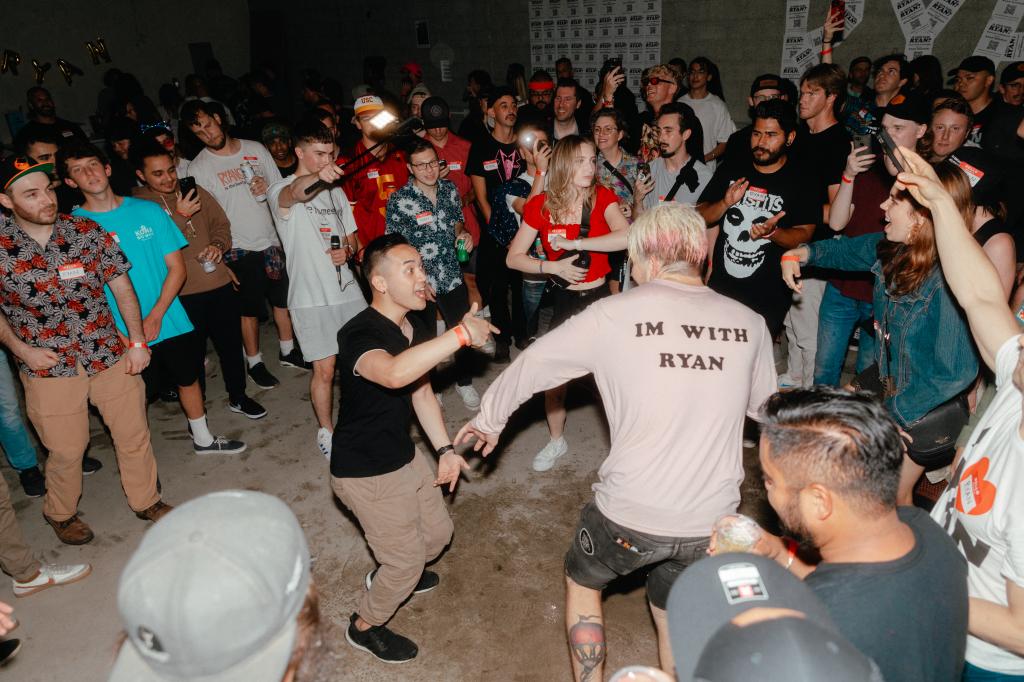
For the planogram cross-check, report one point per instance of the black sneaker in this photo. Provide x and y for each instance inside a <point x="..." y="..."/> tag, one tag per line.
<point x="219" y="446"/>
<point x="32" y="482"/>
<point x="169" y="395"/>
<point x="261" y="377"/>
<point x="90" y="465"/>
<point x="294" y="359"/>
<point x="247" y="406"/>
<point x="9" y="648"/>
<point x="381" y="642"/>
<point x="428" y="581"/>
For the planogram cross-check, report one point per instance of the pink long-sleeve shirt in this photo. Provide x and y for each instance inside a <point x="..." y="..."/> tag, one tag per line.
<point x="678" y="368"/>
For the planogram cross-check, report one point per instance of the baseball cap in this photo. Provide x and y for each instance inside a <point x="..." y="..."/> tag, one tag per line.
<point x="722" y="587"/>
<point x="909" y="106"/>
<point x="974" y="63"/>
<point x="368" y="103"/>
<point x="275" y="131"/>
<point x="766" y="81"/>
<point x="420" y="89"/>
<point x="987" y="176"/>
<point x="1011" y="72"/>
<point x="213" y="591"/>
<point x="783" y="650"/>
<point x="14" y="168"/>
<point x="435" y="112"/>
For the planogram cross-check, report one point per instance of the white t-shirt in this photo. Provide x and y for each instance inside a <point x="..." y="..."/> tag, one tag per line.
<point x="714" y="119"/>
<point x="306" y="230"/>
<point x="678" y="368"/>
<point x="984" y="511"/>
<point x="664" y="179"/>
<point x="182" y="167"/>
<point x="252" y="227"/>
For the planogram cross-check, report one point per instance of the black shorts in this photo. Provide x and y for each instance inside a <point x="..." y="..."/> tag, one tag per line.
<point x="179" y="359"/>
<point x="254" y="286"/>
<point x="602" y="550"/>
<point x="568" y="302"/>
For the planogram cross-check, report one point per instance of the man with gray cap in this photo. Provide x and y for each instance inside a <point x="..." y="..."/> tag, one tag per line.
<point x="219" y="590"/>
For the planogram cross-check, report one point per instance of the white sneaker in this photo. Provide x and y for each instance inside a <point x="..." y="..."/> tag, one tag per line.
<point x="440" y="398"/>
<point x="470" y="398"/>
<point x="547" y="457"/>
<point x="50" y="575"/>
<point x="485" y="312"/>
<point x="323" y="441"/>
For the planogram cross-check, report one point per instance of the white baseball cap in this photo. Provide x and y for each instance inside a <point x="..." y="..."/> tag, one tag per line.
<point x="368" y="103"/>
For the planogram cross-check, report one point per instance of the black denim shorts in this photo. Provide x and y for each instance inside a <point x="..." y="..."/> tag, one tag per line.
<point x="602" y="550"/>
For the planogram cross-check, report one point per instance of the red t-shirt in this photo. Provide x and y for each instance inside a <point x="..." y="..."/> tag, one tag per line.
<point x="539" y="218"/>
<point x="456" y="153"/>
<point x="368" y="186"/>
<point x="870" y="189"/>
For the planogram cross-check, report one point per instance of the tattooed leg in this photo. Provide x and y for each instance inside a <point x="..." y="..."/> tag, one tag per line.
<point x="584" y="625"/>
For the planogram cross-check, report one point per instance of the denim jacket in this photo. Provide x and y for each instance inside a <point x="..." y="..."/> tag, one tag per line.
<point x="932" y="356"/>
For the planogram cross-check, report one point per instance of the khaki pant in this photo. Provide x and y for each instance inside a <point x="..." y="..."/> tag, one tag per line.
<point x="15" y="556"/>
<point x="406" y="525"/>
<point x="59" y="409"/>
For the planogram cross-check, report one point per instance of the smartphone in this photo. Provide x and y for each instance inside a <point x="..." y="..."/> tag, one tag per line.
<point x="612" y="63"/>
<point x="186" y="185"/>
<point x="643" y="171"/>
<point x="527" y="139"/>
<point x="863" y="140"/>
<point x="890" y="150"/>
<point x="838" y="8"/>
<point x="442" y="164"/>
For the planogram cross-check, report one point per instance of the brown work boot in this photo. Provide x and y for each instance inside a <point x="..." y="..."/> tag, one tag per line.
<point x="154" y="512"/>
<point x="73" y="531"/>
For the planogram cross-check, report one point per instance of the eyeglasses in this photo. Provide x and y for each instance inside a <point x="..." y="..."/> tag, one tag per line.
<point x="426" y="165"/>
<point x="608" y="130"/>
<point x="654" y="80"/>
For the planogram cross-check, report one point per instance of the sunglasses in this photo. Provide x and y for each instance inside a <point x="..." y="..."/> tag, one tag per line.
<point x="654" y="80"/>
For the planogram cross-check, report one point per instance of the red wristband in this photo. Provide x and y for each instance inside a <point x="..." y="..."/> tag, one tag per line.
<point x="791" y="257"/>
<point x="461" y="334"/>
<point x="825" y="52"/>
<point x="848" y="181"/>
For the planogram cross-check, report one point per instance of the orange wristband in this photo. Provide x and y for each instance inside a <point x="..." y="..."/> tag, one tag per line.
<point x="848" y="181"/>
<point x="461" y="334"/>
<point x="790" y="257"/>
<point x="791" y="547"/>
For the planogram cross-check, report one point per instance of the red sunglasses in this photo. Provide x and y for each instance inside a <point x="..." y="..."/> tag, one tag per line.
<point x="654" y="80"/>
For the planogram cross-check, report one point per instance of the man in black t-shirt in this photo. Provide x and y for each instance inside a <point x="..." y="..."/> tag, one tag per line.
<point x="376" y="470"/>
<point x="492" y="162"/>
<point x="42" y="115"/>
<point x="757" y="209"/>
<point x="892" y="580"/>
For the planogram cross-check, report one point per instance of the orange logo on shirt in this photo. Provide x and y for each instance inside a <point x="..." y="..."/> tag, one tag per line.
<point x="975" y="495"/>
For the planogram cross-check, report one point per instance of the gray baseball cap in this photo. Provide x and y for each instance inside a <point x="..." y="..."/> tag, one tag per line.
<point x="213" y="591"/>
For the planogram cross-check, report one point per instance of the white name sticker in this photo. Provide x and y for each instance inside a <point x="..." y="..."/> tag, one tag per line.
<point x="968" y="497"/>
<point x="424" y="218"/>
<point x="117" y="240"/>
<point x="491" y="165"/>
<point x="72" y="270"/>
<point x="373" y="175"/>
<point x="455" y="165"/>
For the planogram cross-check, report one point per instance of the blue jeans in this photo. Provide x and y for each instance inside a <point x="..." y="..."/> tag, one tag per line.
<point x="13" y="435"/>
<point x="973" y="673"/>
<point x="533" y="292"/>
<point x="837" y="318"/>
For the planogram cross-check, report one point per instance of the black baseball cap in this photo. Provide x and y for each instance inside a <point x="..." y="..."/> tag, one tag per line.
<point x="988" y="177"/>
<point x="435" y="112"/>
<point x="974" y="64"/>
<point x="16" y="167"/>
<point x="1011" y="72"/>
<point x="909" y="106"/>
<point x="713" y="591"/>
<point x="766" y="81"/>
<point x="499" y="91"/>
<point x="783" y="650"/>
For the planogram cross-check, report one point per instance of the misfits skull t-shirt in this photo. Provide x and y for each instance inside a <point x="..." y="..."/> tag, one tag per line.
<point x="747" y="269"/>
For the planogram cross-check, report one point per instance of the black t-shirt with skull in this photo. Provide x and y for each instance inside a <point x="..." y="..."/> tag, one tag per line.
<point x="749" y="270"/>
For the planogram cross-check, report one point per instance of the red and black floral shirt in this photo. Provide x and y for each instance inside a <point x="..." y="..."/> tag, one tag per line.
<point x="53" y="296"/>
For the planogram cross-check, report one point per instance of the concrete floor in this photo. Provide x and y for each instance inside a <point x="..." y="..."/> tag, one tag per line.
<point x="496" y="615"/>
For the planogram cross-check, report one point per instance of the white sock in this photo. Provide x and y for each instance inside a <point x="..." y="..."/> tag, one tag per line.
<point x="287" y="346"/>
<point x="200" y="431"/>
<point x="324" y="430"/>
<point x="254" y="360"/>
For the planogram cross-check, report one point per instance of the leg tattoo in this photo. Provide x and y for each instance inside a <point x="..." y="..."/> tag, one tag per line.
<point x="586" y="639"/>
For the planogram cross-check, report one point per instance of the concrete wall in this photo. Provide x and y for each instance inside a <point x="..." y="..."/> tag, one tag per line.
<point x="744" y="37"/>
<point x="144" y="37"/>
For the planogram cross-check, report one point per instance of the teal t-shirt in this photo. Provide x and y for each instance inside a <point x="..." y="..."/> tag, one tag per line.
<point x="145" y="234"/>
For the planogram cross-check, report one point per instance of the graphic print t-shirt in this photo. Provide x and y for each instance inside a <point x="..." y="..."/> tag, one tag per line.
<point x="746" y="269"/>
<point x="984" y="510"/>
<point x="495" y="162"/>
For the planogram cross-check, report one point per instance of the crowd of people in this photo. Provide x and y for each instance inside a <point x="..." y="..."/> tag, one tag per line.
<point x="679" y="254"/>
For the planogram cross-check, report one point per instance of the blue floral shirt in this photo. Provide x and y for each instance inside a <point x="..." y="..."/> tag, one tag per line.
<point x="430" y="229"/>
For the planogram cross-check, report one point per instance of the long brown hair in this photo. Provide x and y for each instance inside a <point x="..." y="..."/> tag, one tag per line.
<point x="906" y="266"/>
<point x="562" y="194"/>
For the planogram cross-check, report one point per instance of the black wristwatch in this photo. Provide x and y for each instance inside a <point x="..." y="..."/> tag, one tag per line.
<point x="444" y="448"/>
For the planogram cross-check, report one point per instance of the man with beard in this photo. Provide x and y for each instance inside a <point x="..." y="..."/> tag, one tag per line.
<point x="765" y="87"/>
<point x="42" y="116"/>
<point x="831" y="462"/>
<point x="762" y="208"/>
<point x="661" y="84"/>
<point x="377" y="176"/>
<point x="679" y="173"/>
<point x="538" y="100"/>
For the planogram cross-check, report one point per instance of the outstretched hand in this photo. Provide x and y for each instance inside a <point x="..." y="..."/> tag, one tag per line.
<point x="920" y="180"/>
<point x="449" y="468"/>
<point x="485" y="442"/>
<point x="478" y="327"/>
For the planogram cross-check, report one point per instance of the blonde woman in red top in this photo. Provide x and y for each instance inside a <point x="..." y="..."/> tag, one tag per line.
<point x="556" y="215"/>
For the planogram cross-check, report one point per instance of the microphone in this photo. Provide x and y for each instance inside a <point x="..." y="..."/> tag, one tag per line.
<point x="409" y="125"/>
<point x="335" y="245"/>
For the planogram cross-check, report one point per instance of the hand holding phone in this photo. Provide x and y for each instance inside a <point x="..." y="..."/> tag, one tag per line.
<point x="890" y="150"/>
